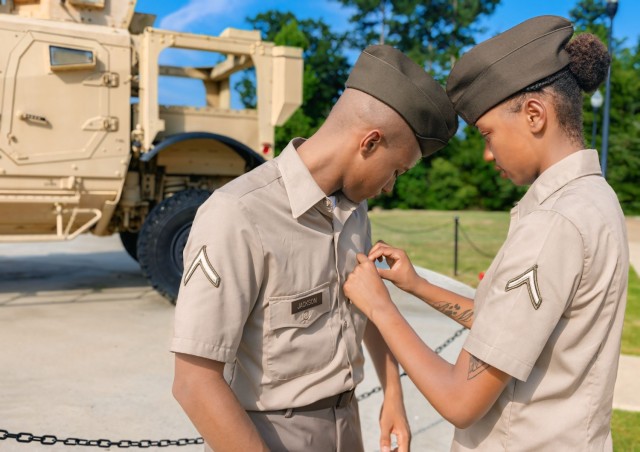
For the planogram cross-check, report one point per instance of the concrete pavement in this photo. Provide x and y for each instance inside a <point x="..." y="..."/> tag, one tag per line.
<point x="85" y="343"/>
<point x="85" y="352"/>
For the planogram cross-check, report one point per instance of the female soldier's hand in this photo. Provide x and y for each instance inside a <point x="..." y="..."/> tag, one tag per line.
<point x="365" y="288"/>
<point x="401" y="271"/>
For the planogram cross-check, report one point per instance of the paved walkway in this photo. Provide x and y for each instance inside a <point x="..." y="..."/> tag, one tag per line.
<point x="627" y="391"/>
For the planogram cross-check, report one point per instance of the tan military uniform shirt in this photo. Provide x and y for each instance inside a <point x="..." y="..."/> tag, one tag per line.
<point x="262" y="290"/>
<point x="549" y="312"/>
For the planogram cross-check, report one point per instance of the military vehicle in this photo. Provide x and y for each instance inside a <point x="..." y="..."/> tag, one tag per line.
<point x="85" y="146"/>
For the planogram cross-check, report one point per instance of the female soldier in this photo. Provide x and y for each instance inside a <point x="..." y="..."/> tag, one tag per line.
<point x="538" y="368"/>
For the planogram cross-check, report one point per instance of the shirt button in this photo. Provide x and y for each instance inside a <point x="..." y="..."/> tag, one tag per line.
<point x="328" y="204"/>
<point x="306" y="315"/>
<point x="345" y="324"/>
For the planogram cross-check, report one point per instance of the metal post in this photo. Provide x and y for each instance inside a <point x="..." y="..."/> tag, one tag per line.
<point x="612" y="7"/>
<point x="596" y="102"/>
<point x="594" y="129"/>
<point x="455" y="245"/>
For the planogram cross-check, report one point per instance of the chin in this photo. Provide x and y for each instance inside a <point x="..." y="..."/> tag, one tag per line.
<point x="354" y="199"/>
<point x="523" y="181"/>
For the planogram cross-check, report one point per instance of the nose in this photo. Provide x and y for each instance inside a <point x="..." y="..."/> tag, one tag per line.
<point x="487" y="154"/>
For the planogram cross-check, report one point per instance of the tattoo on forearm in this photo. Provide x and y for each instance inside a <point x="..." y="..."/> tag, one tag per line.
<point x="476" y="367"/>
<point x="453" y="310"/>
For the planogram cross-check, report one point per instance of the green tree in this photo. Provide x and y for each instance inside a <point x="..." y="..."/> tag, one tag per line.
<point x="326" y="68"/>
<point x="590" y="16"/>
<point x="455" y="178"/>
<point x="432" y="33"/>
<point x="623" y="159"/>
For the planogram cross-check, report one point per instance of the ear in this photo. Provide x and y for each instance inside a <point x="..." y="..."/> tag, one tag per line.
<point x="536" y="114"/>
<point x="370" y="142"/>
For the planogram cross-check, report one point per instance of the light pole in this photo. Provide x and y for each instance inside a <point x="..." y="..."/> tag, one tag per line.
<point x="612" y="8"/>
<point x="596" y="103"/>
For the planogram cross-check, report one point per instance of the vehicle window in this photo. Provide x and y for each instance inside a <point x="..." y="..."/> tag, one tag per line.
<point x="64" y="58"/>
<point x="90" y="3"/>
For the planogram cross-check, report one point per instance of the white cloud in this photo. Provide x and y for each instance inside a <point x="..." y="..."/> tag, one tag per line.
<point x="198" y="12"/>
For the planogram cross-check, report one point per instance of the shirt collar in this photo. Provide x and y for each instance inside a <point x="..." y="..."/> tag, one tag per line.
<point x="302" y="190"/>
<point x="577" y="164"/>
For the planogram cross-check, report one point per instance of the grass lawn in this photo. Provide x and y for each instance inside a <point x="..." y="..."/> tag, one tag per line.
<point x="428" y="239"/>
<point x="631" y="328"/>
<point x="625" y="430"/>
<point x="625" y="425"/>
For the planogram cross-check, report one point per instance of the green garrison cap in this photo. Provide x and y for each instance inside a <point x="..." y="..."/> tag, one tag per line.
<point x="502" y="66"/>
<point x="393" y="78"/>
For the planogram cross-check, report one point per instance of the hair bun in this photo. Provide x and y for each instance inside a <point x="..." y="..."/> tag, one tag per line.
<point x="589" y="61"/>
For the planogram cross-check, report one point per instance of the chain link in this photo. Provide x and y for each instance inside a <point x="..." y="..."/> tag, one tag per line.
<point x="437" y="351"/>
<point x="50" y="440"/>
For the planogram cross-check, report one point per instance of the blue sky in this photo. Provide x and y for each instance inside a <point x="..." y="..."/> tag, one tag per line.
<point x="213" y="16"/>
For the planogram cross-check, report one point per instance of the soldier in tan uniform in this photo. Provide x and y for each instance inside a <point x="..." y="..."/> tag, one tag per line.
<point x="538" y="368"/>
<point x="261" y="302"/>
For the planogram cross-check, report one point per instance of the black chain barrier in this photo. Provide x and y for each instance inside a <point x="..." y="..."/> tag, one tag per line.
<point x="437" y="351"/>
<point x="474" y="246"/>
<point x="409" y="231"/>
<point x="50" y="440"/>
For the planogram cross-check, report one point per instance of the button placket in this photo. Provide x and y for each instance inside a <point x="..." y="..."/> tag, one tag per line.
<point x="348" y="334"/>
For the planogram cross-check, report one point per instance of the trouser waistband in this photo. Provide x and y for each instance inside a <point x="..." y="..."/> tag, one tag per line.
<point x="337" y="401"/>
<point x="341" y="400"/>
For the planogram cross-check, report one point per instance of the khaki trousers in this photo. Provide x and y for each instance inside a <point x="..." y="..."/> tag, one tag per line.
<point x="326" y="430"/>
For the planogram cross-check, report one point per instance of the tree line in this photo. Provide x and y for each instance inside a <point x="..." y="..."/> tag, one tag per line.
<point x="434" y="34"/>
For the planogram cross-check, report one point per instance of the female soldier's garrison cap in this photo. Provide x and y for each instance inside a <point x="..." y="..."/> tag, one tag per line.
<point x="394" y="79"/>
<point x="502" y="66"/>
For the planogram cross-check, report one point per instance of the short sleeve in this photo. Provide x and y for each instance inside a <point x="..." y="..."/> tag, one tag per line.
<point x="223" y="264"/>
<point x="529" y="290"/>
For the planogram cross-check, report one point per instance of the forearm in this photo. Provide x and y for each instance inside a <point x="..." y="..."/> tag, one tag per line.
<point x="393" y="416"/>
<point x="383" y="360"/>
<point x="451" y="304"/>
<point x="215" y="412"/>
<point x="450" y="388"/>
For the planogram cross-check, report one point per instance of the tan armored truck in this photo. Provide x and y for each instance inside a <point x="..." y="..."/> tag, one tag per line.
<point x="86" y="148"/>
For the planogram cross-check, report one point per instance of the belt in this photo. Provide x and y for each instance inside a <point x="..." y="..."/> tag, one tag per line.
<point x="341" y="400"/>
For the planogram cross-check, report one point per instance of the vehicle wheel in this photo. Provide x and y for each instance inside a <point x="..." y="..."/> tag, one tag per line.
<point x="163" y="237"/>
<point x="130" y="242"/>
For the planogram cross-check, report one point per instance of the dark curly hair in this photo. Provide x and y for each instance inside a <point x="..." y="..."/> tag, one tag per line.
<point x="587" y="69"/>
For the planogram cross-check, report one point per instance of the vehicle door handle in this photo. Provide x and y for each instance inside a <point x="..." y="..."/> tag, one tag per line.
<point x="33" y="118"/>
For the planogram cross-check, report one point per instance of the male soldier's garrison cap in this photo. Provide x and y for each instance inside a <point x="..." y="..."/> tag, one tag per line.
<point x="394" y="79"/>
<point x="502" y="66"/>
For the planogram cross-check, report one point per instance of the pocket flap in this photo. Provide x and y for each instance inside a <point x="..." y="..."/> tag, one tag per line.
<point x="299" y="310"/>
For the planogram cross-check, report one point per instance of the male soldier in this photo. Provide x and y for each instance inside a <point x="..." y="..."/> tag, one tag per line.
<point x="266" y="259"/>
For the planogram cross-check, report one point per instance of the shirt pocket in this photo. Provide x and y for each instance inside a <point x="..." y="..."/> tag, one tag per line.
<point x="300" y="339"/>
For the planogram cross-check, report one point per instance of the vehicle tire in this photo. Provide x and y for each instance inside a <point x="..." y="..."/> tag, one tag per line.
<point x="163" y="237"/>
<point x="130" y="243"/>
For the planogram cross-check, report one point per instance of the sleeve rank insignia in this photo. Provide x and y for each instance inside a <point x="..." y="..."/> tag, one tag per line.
<point x="530" y="278"/>
<point x="202" y="261"/>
